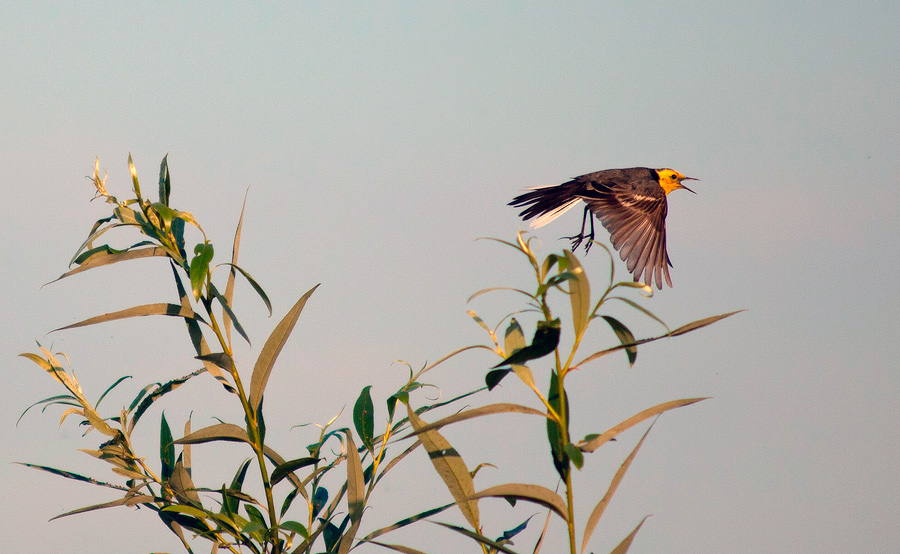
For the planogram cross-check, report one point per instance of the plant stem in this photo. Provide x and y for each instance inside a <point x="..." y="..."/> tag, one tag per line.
<point x="252" y="422"/>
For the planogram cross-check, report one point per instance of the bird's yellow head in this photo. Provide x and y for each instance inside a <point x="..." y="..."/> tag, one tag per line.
<point x="670" y="180"/>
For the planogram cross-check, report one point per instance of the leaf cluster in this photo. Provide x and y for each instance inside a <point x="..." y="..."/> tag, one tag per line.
<point x="308" y="512"/>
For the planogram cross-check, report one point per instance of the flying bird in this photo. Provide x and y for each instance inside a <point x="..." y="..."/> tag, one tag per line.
<point x="631" y="205"/>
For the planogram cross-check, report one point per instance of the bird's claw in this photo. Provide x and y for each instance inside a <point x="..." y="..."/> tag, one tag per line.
<point x="578" y="239"/>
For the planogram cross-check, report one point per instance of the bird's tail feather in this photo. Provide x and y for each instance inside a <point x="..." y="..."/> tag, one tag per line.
<point x="544" y="204"/>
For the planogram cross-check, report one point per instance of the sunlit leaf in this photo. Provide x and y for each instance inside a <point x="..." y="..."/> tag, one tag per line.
<point x="100" y="259"/>
<point x="611" y="433"/>
<point x="498" y="408"/>
<point x="598" y="510"/>
<point x="203" y="254"/>
<point x="173" y="310"/>
<point x="451" y="468"/>
<point x="623" y="546"/>
<point x="531" y="493"/>
<point x="272" y="348"/>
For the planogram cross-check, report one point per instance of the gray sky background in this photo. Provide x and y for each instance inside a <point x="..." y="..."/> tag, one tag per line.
<point x="379" y="141"/>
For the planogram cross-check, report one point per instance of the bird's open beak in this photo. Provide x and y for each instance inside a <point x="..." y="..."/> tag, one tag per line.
<point x="688" y="179"/>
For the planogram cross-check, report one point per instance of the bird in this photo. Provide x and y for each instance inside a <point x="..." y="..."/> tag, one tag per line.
<point x="631" y="205"/>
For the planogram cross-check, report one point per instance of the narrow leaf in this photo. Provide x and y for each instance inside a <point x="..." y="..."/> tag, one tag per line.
<point x="73" y="476"/>
<point x="579" y="295"/>
<point x="165" y="184"/>
<point x="355" y="482"/>
<point x="203" y="254"/>
<point x="182" y="484"/>
<point x="398" y="547"/>
<point x="284" y="469"/>
<point x="498" y="408"/>
<point x="235" y="249"/>
<point x="530" y="493"/>
<point x="546" y="338"/>
<point x="478" y="537"/>
<point x="680" y="331"/>
<point x="166" y="448"/>
<point x="173" y="310"/>
<point x="134" y="178"/>
<point x="694" y="325"/>
<point x="227" y="432"/>
<point x="625" y="337"/>
<point x="404" y="522"/>
<point x="626" y="543"/>
<point x="272" y="348"/>
<point x="364" y="418"/>
<point x="598" y="510"/>
<point x="597" y="442"/>
<point x="451" y="468"/>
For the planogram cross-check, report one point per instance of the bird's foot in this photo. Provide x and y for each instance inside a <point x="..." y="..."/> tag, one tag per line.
<point x="578" y="239"/>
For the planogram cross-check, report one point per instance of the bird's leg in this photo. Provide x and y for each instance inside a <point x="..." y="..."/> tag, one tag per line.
<point x="590" y="238"/>
<point x="579" y="238"/>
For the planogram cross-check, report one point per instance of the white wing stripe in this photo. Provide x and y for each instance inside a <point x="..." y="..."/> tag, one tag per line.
<point x="553" y="214"/>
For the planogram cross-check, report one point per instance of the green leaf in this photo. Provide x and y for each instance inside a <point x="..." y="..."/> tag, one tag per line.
<point x="203" y="254"/>
<point x="507" y="535"/>
<point x="165" y="184"/>
<point x="575" y="455"/>
<point x="166" y="388"/>
<point x="364" y="418"/>
<point x="284" y="469"/>
<point x="230" y="503"/>
<point x="111" y="387"/>
<point x="255" y="515"/>
<point x="546" y="338"/>
<point x="478" y="537"/>
<point x="406" y="521"/>
<point x="294" y="527"/>
<point x="73" y="476"/>
<point x="259" y="290"/>
<point x="320" y="498"/>
<point x="493" y="377"/>
<point x="514" y="340"/>
<point x="227" y="309"/>
<point x="272" y="348"/>
<point x="166" y="448"/>
<point x="555" y="435"/>
<point x="625" y="337"/>
<point x="221" y="359"/>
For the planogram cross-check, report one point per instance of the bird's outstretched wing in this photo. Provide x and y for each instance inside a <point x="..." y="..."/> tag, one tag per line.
<point x="636" y="220"/>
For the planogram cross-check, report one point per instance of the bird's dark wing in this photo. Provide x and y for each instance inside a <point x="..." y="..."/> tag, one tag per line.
<point x="635" y="216"/>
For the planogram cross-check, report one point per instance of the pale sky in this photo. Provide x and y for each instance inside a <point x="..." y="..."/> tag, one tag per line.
<point x="379" y="140"/>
